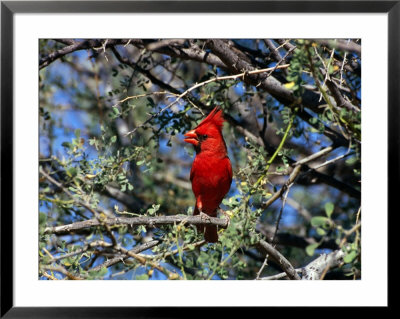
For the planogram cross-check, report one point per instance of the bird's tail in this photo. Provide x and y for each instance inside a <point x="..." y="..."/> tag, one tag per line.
<point x="210" y="232"/>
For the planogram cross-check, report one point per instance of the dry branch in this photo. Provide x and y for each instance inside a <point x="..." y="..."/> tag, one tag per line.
<point x="122" y="257"/>
<point x="315" y="269"/>
<point x="138" y="221"/>
<point x="63" y="271"/>
<point x="99" y="219"/>
<point x="280" y="259"/>
<point x="337" y="95"/>
<point x="197" y="85"/>
<point x="342" y="45"/>
<point x="278" y="194"/>
<point x="75" y="46"/>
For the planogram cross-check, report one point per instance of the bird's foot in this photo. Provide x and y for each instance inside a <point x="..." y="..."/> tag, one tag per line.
<point x="227" y="215"/>
<point x="205" y="217"/>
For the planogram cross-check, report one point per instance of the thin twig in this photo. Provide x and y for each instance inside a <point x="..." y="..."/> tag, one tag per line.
<point x="314" y="156"/>
<point x="347" y="233"/>
<point x="83" y="204"/>
<point x="197" y="85"/>
<point x="175" y="251"/>
<point x="280" y="275"/>
<point x="332" y="160"/>
<point x="274" y="197"/>
<point x="45" y="274"/>
<point x="62" y="271"/>
<point x="121" y="258"/>
<point x="293" y="175"/>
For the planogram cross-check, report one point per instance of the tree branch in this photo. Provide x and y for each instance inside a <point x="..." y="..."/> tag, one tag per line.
<point x="197" y="85"/>
<point x="136" y="250"/>
<point x="316" y="176"/>
<point x="340" y="100"/>
<point x="193" y="53"/>
<point x="99" y="219"/>
<point x="63" y="271"/>
<point x="315" y="269"/>
<point x="270" y="84"/>
<point x="280" y="259"/>
<point x="342" y="45"/>
<point x="278" y="194"/>
<point x="138" y="221"/>
<point x="75" y="46"/>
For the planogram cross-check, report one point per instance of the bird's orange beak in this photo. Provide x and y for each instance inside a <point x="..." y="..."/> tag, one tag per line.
<point x="191" y="137"/>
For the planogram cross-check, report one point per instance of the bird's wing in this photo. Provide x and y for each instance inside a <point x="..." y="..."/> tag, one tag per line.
<point x="192" y="172"/>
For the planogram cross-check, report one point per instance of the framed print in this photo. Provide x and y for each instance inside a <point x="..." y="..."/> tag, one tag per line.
<point x="167" y="154"/>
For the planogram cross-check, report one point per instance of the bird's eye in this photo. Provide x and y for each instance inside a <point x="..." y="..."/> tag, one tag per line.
<point x="205" y="136"/>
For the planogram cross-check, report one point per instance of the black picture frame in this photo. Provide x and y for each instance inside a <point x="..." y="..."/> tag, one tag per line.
<point x="9" y="8"/>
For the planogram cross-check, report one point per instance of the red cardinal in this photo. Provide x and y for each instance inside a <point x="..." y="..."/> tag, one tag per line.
<point x="211" y="173"/>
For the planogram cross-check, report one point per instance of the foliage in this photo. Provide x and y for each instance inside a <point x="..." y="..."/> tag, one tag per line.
<point x="112" y="115"/>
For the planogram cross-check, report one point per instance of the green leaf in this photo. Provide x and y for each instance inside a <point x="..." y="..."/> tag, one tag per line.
<point x="93" y="274"/>
<point x="310" y="249"/>
<point x="42" y="218"/>
<point x="321" y="231"/>
<point x="115" y="110"/>
<point x="313" y="120"/>
<point x="153" y="210"/>
<point x="121" y="177"/>
<point x="72" y="171"/>
<point x="77" y="133"/>
<point x="103" y="271"/>
<point x="351" y="160"/>
<point x="66" y="144"/>
<point x="320" y="221"/>
<point x="329" y="209"/>
<point x="350" y="256"/>
<point x="142" y="277"/>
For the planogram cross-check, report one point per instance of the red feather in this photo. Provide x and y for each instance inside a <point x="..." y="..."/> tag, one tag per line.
<point x="211" y="173"/>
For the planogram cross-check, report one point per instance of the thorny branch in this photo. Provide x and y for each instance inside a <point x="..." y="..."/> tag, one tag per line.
<point x="99" y="219"/>
<point x="222" y="59"/>
<point x="137" y="221"/>
<point x="315" y="269"/>
<point x="197" y="85"/>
